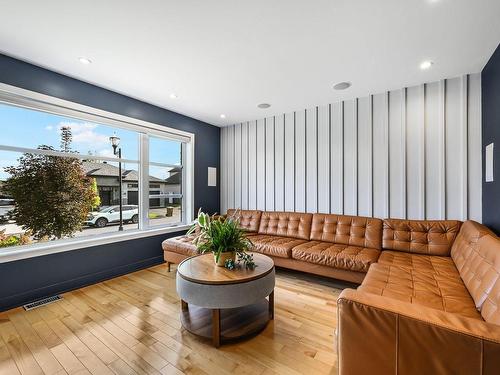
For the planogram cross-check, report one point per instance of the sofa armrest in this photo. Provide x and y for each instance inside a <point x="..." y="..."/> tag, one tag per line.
<point x="380" y="335"/>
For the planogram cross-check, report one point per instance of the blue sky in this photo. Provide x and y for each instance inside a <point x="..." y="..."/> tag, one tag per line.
<point x="28" y="128"/>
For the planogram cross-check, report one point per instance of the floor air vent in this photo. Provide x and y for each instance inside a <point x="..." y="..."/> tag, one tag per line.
<point x="42" y="302"/>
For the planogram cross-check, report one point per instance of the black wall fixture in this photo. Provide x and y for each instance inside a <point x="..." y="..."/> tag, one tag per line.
<point x="30" y="279"/>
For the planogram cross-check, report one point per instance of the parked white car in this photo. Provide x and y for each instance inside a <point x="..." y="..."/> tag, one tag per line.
<point x="111" y="214"/>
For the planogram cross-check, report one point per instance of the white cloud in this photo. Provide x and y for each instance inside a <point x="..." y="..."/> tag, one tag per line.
<point x="49" y="127"/>
<point x="106" y="152"/>
<point x="84" y="133"/>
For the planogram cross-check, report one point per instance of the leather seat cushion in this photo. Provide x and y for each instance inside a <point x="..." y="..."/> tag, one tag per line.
<point x="274" y="245"/>
<point x="249" y="219"/>
<point x="432" y="237"/>
<point x="429" y="263"/>
<point x="180" y="245"/>
<point x="441" y="290"/>
<point x="353" y="258"/>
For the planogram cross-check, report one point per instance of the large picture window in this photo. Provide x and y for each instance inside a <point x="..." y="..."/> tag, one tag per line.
<point x="64" y="178"/>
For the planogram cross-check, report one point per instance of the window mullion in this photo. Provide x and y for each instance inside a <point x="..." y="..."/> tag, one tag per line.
<point x="143" y="181"/>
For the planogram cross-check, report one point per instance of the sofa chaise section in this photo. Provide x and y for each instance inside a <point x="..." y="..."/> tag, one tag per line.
<point x="435" y="309"/>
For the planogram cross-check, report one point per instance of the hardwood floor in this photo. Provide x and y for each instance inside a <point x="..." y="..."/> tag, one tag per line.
<point x="130" y="325"/>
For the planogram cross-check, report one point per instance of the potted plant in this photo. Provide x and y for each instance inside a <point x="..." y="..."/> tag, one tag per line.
<point x="223" y="237"/>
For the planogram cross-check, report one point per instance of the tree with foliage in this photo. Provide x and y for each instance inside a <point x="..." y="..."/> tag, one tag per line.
<point x="52" y="194"/>
<point x="96" y="202"/>
<point x="66" y="138"/>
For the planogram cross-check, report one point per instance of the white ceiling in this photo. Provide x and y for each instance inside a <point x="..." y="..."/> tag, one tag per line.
<point x="227" y="56"/>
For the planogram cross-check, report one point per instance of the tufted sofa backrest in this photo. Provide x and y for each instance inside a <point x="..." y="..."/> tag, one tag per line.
<point x="486" y="278"/>
<point x="476" y="254"/>
<point x="286" y="224"/>
<point x="347" y="230"/>
<point x="430" y="237"/>
<point x="249" y="219"/>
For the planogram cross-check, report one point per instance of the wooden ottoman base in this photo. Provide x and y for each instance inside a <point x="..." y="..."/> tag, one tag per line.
<point x="227" y="325"/>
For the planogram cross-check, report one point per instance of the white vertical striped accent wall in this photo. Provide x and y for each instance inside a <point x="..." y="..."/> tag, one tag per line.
<point x="411" y="153"/>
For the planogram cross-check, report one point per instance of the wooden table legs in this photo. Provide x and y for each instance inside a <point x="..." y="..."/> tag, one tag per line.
<point x="271" y="305"/>
<point x="239" y="322"/>
<point x="216" y="327"/>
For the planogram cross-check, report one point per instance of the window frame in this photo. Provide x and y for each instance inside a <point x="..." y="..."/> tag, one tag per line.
<point x="146" y="192"/>
<point x="11" y="95"/>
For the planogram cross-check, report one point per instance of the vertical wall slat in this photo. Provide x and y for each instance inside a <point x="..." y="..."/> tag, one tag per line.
<point x="365" y="156"/>
<point x="300" y="161"/>
<point x="252" y="165"/>
<point x="261" y="165"/>
<point x="289" y="162"/>
<point x="337" y="159"/>
<point x="312" y="161"/>
<point x="380" y="155"/>
<point x="244" y="166"/>
<point x="464" y="90"/>
<point x="270" y="164"/>
<point x="454" y="150"/>
<point x="415" y="182"/>
<point x="442" y="154"/>
<point x="397" y="155"/>
<point x="350" y="158"/>
<point x="223" y="172"/>
<point x="475" y="174"/>
<point x="279" y="161"/>
<point x="237" y="166"/>
<point x="230" y="167"/>
<point x="434" y="150"/>
<point x="324" y="159"/>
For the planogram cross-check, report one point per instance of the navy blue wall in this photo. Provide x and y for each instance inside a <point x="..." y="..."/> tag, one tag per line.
<point x="30" y="279"/>
<point x="490" y="83"/>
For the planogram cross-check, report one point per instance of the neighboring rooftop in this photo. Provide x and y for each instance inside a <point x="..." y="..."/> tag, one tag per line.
<point x="94" y="169"/>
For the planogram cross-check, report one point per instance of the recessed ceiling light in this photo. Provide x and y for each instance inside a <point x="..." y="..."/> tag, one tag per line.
<point x="222" y="116"/>
<point x="84" y="60"/>
<point x="426" y="64"/>
<point x="342" y="85"/>
<point x="173" y="96"/>
<point x="263" y="105"/>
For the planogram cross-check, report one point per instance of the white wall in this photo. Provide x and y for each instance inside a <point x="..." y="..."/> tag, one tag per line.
<point x="410" y="153"/>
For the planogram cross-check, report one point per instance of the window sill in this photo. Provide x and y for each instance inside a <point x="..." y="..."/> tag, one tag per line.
<point x="30" y="251"/>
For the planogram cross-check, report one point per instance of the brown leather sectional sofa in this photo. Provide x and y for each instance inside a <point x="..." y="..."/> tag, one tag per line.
<point x="337" y="246"/>
<point x="429" y="299"/>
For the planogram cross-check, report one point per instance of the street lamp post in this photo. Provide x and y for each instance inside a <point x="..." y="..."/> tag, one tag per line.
<point x="115" y="141"/>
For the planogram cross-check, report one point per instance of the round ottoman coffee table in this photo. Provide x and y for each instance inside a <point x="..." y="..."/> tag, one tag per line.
<point x="225" y="305"/>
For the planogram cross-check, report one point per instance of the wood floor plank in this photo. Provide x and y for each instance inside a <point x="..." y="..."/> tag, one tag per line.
<point x="68" y="360"/>
<point x="171" y="370"/>
<point x="7" y="364"/>
<point x="120" y="367"/>
<point x="18" y="350"/>
<point x="79" y="349"/>
<point x="130" y="325"/>
<point x="42" y="354"/>
<point x="47" y="335"/>
<point x="93" y="343"/>
<point x="136" y="362"/>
